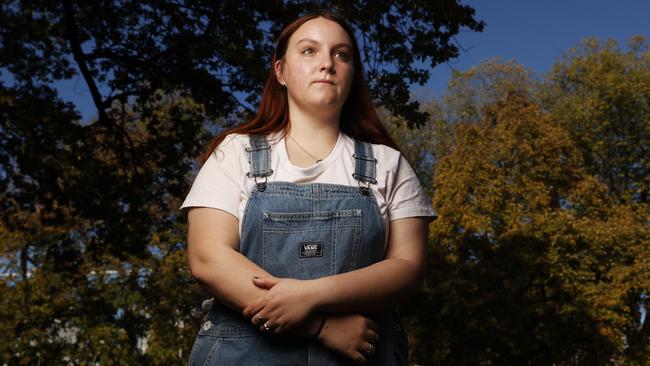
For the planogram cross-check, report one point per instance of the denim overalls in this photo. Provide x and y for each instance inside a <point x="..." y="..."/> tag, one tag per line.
<point x="302" y="231"/>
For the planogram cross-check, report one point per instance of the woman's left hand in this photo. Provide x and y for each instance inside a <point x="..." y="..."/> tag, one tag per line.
<point x="287" y="304"/>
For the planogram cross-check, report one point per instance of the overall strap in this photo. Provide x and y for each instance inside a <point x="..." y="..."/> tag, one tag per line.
<point x="364" y="165"/>
<point x="259" y="158"/>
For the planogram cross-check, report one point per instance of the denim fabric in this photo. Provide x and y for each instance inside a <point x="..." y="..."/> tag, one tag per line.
<point x="302" y="231"/>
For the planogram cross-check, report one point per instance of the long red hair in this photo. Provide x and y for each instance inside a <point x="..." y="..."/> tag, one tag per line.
<point x="359" y="119"/>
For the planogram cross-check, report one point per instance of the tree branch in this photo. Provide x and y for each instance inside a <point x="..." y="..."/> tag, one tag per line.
<point x="79" y="57"/>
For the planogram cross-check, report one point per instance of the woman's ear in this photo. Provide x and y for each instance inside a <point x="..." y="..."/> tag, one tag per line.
<point x="279" y="74"/>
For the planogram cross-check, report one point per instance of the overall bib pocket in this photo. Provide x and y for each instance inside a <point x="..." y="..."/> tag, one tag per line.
<point x="310" y="245"/>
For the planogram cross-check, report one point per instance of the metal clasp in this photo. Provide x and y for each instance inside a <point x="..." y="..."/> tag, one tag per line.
<point x="261" y="186"/>
<point x="364" y="190"/>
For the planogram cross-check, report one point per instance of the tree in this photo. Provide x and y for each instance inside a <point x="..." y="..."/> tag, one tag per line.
<point x="600" y="94"/>
<point x="422" y="145"/>
<point x="92" y="245"/>
<point x="533" y="260"/>
<point x="492" y="81"/>
<point x="216" y="51"/>
<point x="94" y="250"/>
<point x="532" y="263"/>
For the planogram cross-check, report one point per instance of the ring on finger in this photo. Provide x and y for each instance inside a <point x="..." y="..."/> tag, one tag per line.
<point x="266" y="327"/>
<point x="371" y="349"/>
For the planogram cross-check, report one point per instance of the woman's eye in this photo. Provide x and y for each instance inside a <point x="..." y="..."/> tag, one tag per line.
<point x="342" y="55"/>
<point x="308" y="51"/>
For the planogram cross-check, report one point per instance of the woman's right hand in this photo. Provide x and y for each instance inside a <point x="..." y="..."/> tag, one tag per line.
<point x="351" y="335"/>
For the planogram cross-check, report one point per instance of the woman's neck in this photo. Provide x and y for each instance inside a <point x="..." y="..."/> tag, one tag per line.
<point x="310" y="139"/>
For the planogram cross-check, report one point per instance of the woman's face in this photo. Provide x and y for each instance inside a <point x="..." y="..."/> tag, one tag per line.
<point x="318" y="67"/>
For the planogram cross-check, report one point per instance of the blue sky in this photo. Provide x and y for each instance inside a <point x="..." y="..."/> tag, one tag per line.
<point x="534" y="33"/>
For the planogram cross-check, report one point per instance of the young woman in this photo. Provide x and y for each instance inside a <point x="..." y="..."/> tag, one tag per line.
<point x="306" y="223"/>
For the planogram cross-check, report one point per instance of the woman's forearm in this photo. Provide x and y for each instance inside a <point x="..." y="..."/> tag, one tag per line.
<point x="214" y="260"/>
<point x="385" y="284"/>
<point x="372" y="289"/>
<point x="229" y="277"/>
<point x="227" y="274"/>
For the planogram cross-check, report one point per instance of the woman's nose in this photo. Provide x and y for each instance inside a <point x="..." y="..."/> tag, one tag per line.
<point x="327" y="65"/>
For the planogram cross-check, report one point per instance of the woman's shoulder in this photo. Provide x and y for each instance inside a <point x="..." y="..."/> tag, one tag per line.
<point x="243" y="139"/>
<point x="386" y="151"/>
<point x="238" y="142"/>
<point x="378" y="149"/>
<point x="235" y="141"/>
<point x="235" y="138"/>
<point x="232" y="144"/>
<point x="387" y="157"/>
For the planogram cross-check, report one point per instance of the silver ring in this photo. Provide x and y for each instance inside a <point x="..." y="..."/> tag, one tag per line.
<point x="266" y="327"/>
<point x="371" y="349"/>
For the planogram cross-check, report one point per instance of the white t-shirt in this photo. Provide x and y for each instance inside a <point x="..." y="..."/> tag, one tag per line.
<point x="222" y="182"/>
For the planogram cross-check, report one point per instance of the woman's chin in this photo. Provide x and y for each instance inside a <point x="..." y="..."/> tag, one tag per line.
<point x="320" y="103"/>
<point x="324" y="102"/>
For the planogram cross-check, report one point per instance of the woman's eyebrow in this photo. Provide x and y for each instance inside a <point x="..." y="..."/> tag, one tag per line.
<point x="314" y="41"/>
